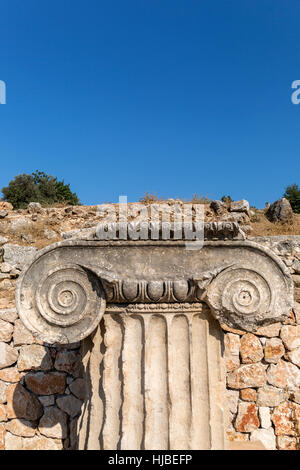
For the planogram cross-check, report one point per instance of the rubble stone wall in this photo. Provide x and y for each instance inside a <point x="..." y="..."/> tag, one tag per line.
<point x="263" y="375"/>
<point x="42" y="389"/>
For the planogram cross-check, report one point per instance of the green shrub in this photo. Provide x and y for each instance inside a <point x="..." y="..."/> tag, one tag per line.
<point x="292" y="193"/>
<point x="227" y="200"/>
<point x="38" y="187"/>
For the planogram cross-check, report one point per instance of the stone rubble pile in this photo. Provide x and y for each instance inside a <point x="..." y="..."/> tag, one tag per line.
<point x="280" y="211"/>
<point x="38" y="226"/>
<point x="238" y="212"/>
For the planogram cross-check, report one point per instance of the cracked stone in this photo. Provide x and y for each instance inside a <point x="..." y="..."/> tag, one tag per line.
<point x="284" y="375"/>
<point x="77" y="387"/>
<point x="251" y="349"/>
<point x="233" y="436"/>
<point x="22" y="404"/>
<point x="46" y="384"/>
<point x="247" y="376"/>
<point x="269" y="331"/>
<point x="41" y="443"/>
<point x="3" y="413"/>
<point x="232" y="350"/>
<point x="2" y="437"/>
<point x="69" y="404"/>
<point x="21" y="427"/>
<point x="274" y="350"/>
<point x="22" y="335"/>
<point x="11" y="375"/>
<point x="69" y="361"/>
<point x="266" y="437"/>
<point x="265" y="417"/>
<point x="270" y="396"/>
<point x="3" y="388"/>
<point x="286" y="418"/>
<point x="290" y="335"/>
<point x="47" y="400"/>
<point x="8" y="314"/>
<point x="294" y="356"/>
<point x="8" y="355"/>
<point x="54" y="423"/>
<point x="232" y="400"/>
<point x="6" y="331"/>
<point x="34" y="357"/>
<point x="247" y="418"/>
<point x="248" y="394"/>
<point x="13" y="442"/>
<point x="286" y="443"/>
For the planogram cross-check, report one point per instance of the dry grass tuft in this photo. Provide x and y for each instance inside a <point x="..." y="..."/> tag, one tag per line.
<point x="36" y="230"/>
<point x="149" y="198"/>
<point x="200" y="199"/>
<point x="263" y="227"/>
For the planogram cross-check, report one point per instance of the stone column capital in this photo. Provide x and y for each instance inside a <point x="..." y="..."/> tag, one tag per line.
<point x="63" y="293"/>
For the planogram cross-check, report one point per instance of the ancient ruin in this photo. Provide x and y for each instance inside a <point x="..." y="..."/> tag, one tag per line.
<point x="159" y="343"/>
<point x="150" y="314"/>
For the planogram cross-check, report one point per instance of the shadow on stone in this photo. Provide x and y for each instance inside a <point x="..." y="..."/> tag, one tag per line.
<point x="44" y="403"/>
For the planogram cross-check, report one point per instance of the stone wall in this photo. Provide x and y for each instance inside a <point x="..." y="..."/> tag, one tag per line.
<point x="263" y="375"/>
<point x="41" y="387"/>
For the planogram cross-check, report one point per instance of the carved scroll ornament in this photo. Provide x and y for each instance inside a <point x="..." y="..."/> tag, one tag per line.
<point x="62" y="295"/>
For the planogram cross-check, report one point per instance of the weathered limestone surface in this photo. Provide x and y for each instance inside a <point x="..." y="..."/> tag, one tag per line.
<point x="280" y="211"/>
<point x="152" y="351"/>
<point x="158" y="410"/>
<point x="62" y="295"/>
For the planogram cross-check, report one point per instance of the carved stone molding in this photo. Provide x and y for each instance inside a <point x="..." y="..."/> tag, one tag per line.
<point x="62" y="295"/>
<point x="163" y="308"/>
<point x="155" y="381"/>
<point x="152" y="351"/>
<point x="159" y="230"/>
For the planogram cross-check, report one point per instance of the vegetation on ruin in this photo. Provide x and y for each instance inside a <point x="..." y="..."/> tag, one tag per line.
<point x="227" y="200"/>
<point x="292" y="193"/>
<point x="150" y="198"/>
<point x="38" y="187"/>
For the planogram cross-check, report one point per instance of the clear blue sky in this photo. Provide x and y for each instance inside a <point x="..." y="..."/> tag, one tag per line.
<point x="174" y="97"/>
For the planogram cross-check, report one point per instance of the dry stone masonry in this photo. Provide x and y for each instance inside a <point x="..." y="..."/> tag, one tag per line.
<point x="91" y="353"/>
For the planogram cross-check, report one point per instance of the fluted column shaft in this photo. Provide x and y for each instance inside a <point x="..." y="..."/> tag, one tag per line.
<point x="155" y="381"/>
